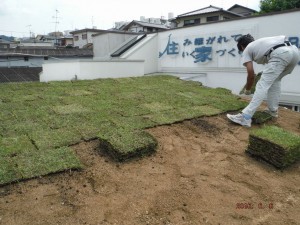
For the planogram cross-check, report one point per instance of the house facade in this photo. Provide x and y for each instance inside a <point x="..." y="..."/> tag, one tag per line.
<point x="210" y="14"/>
<point x="84" y="37"/>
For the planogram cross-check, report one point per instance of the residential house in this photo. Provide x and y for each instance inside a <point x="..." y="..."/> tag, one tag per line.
<point x="242" y="10"/>
<point x="83" y="38"/>
<point x="210" y="14"/>
<point x="4" y="43"/>
<point x="66" y="41"/>
<point x="144" y="27"/>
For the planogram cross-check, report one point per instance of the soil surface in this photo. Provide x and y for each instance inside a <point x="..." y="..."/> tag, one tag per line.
<point x="200" y="174"/>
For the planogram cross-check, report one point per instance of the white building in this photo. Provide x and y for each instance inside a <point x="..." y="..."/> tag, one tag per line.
<point x="82" y="38"/>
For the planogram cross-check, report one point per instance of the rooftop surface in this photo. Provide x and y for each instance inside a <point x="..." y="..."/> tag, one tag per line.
<point x="39" y="121"/>
<point x="199" y="171"/>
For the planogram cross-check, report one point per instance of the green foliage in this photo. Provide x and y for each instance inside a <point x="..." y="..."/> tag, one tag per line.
<point x="38" y="121"/>
<point x="267" y="6"/>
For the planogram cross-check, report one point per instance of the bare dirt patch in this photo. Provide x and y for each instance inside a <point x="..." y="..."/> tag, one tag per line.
<point x="200" y="174"/>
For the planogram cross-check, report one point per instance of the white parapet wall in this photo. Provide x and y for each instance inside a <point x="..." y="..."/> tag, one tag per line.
<point x="91" y="69"/>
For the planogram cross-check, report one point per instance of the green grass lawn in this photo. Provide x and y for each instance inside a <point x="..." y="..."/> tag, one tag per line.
<point x="39" y="121"/>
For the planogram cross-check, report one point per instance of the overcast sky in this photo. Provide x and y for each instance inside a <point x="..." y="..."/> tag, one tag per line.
<point x="20" y="17"/>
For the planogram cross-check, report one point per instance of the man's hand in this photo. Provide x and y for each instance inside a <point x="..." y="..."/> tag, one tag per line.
<point x="247" y="92"/>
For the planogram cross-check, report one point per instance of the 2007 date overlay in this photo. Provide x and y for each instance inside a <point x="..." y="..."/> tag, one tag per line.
<point x="260" y="205"/>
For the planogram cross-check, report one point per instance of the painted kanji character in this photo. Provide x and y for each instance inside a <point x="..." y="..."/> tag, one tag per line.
<point x="198" y="41"/>
<point x="171" y="48"/>
<point x="202" y="54"/>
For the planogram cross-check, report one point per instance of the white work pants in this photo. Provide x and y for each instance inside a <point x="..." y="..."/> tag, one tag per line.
<point x="281" y="62"/>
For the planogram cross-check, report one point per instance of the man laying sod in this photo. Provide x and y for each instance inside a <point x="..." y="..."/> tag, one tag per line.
<point x="281" y="58"/>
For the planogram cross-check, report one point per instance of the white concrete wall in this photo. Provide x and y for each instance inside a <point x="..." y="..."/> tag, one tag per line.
<point x="178" y="51"/>
<point x="146" y="50"/>
<point x="107" y="43"/>
<point x="89" y="70"/>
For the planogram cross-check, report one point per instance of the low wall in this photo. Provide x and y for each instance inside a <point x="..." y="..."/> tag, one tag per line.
<point x="89" y="70"/>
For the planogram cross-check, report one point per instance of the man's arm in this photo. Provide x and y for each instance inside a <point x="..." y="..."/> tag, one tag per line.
<point x="250" y="76"/>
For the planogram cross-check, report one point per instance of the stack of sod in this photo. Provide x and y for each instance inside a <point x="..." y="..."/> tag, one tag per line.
<point x="275" y="145"/>
<point x="260" y="117"/>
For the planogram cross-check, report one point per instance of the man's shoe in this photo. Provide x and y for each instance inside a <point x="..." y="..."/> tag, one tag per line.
<point x="272" y="113"/>
<point x="239" y="118"/>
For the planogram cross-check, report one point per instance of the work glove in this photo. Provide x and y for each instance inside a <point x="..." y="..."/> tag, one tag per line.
<point x="247" y="92"/>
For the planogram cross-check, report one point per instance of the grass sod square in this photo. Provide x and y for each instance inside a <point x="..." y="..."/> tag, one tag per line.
<point x="260" y="117"/>
<point x="58" y="114"/>
<point x="20" y="159"/>
<point x="123" y="144"/>
<point x="274" y="145"/>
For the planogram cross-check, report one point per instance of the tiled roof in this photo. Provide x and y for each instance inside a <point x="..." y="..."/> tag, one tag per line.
<point x="39" y="52"/>
<point x="19" y="74"/>
<point x="145" y="24"/>
<point x="240" y="6"/>
<point x="205" y="10"/>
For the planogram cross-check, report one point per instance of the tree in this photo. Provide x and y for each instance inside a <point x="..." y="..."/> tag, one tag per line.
<point x="278" y="5"/>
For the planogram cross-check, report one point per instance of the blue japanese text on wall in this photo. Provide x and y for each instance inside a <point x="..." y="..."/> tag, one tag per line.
<point x="202" y="48"/>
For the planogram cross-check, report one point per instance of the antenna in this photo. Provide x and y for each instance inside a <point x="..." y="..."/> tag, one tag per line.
<point x="56" y="23"/>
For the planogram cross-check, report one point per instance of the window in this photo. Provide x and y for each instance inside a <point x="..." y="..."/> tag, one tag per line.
<point x="212" y="18"/>
<point x="84" y="36"/>
<point x="191" y="22"/>
<point x="76" y="38"/>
